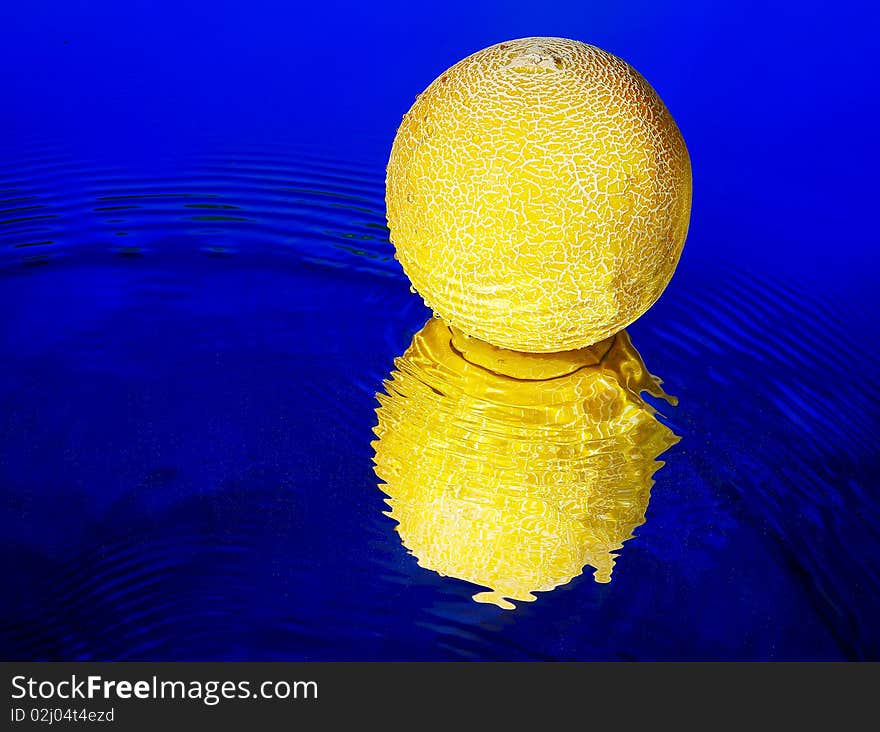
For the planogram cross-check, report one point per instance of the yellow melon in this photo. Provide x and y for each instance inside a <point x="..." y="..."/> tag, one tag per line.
<point x="538" y="195"/>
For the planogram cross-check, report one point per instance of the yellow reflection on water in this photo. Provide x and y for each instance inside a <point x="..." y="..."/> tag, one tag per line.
<point x="514" y="471"/>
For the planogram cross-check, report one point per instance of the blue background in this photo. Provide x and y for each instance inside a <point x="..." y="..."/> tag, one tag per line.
<point x="199" y="303"/>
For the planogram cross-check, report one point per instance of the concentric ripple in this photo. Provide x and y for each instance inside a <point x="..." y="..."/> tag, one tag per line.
<point x="185" y="426"/>
<point x="321" y="211"/>
<point x="785" y="420"/>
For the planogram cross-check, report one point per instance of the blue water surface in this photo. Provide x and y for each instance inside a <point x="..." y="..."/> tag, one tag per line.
<point x="200" y="303"/>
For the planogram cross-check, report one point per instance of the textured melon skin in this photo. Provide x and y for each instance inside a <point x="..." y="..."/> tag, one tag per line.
<point x="538" y="195"/>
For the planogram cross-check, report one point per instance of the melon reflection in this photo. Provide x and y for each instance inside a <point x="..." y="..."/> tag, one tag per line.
<point x="514" y="471"/>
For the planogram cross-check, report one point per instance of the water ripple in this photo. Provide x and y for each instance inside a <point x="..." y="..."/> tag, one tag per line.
<point x="796" y="422"/>
<point x="774" y="481"/>
<point x="317" y="210"/>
